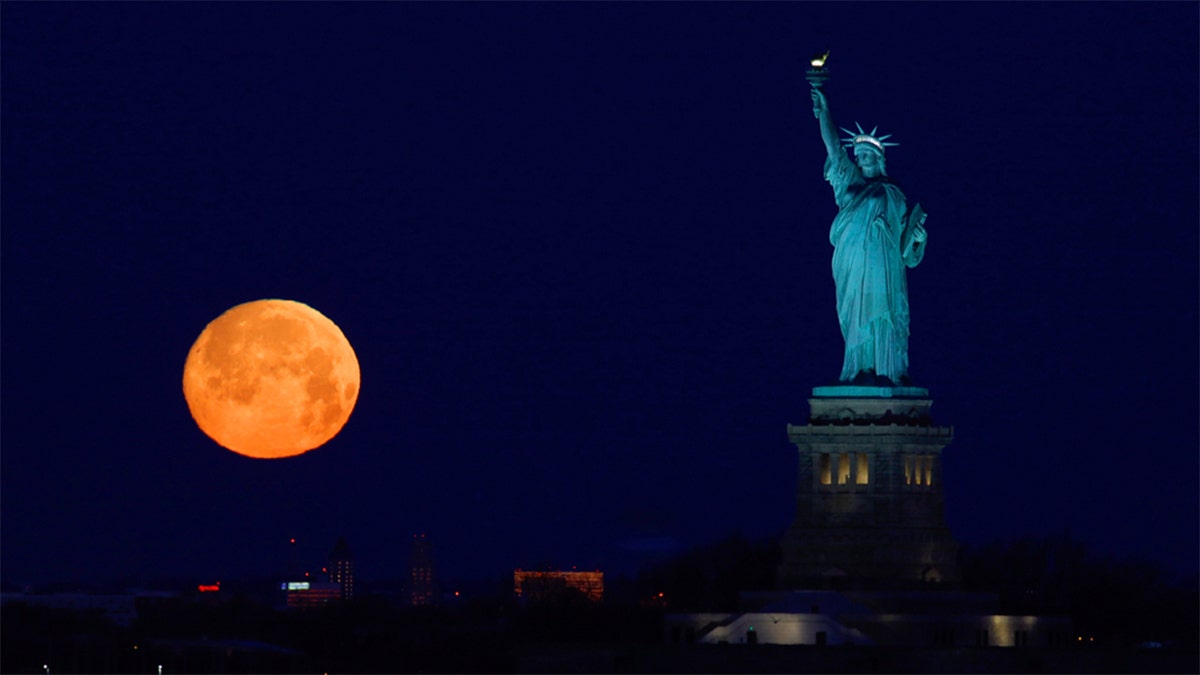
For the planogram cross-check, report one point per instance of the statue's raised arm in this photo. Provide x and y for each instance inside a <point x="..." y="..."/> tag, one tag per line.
<point x="825" y="120"/>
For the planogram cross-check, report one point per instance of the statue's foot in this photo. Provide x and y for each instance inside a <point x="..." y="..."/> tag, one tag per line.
<point x="868" y="378"/>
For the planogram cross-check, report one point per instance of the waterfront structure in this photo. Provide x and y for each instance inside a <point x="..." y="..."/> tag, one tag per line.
<point x="533" y="586"/>
<point x="869" y="618"/>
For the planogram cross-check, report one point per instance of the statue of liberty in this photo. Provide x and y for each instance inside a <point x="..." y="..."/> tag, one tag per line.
<point x="874" y="236"/>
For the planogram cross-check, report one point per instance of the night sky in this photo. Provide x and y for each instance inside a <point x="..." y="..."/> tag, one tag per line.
<point x="582" y="253"/>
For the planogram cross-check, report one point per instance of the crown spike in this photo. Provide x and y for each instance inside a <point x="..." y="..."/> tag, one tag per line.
<point x="878" y="142"/>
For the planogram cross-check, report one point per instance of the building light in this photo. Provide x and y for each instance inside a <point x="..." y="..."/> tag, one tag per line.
<point x="538" y="585"/>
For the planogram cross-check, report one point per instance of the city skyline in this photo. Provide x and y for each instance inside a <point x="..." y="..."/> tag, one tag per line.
<point x="582" y="255"/>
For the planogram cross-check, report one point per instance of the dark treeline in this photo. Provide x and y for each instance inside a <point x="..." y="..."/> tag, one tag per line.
<point x="710" y="578"/>
<point x="1116" y="603"/>
<point x="1111" y="600"/>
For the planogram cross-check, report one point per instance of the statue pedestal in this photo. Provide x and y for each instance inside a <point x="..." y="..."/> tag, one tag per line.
<point x="869" y="501"/>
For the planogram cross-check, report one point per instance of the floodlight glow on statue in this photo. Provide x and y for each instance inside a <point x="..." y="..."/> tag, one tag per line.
<point x="875" y="237"/>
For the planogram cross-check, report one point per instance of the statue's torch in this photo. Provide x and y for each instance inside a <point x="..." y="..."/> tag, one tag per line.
<point x="818" y="74"/>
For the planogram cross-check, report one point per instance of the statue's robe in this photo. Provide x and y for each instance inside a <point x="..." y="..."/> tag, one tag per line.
<point x="869" y="270"/>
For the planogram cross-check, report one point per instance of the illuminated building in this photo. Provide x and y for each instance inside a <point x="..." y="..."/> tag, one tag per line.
<point x="535" y="586"/>
<point x="309" y="594"/>
<point x="869" y="500"/>
<point x="341" y="568"/>
<point x="421" y="586"/>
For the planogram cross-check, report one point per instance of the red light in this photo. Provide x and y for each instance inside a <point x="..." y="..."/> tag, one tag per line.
<point x="209" y="588"/>
<point x="293" y="540"/>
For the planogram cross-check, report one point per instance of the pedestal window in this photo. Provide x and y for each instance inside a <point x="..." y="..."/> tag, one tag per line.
<point x="918" y="470"/>
<point x="861" y="473"/>
<point x="843" y="468"/>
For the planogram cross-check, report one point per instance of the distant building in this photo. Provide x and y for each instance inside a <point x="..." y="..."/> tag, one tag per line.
<point x="421" y="586"/>
<point x="535" y="585"/>
<point x="309" y="594"/>
<point x="341" y="568"/>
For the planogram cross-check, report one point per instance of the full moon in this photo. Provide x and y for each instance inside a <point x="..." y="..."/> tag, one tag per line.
<point x="271" y="379"/>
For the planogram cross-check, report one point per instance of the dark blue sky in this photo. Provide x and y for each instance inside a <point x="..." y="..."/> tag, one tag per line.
<point x="582" y="253"/>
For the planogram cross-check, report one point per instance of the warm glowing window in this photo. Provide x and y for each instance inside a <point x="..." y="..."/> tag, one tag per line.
<point x="918" y="470"/>
<point x="843" y="468"/>
<point x="846" y="468"/>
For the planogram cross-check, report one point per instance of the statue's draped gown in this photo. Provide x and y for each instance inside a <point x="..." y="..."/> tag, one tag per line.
<point x="868" y="270"/>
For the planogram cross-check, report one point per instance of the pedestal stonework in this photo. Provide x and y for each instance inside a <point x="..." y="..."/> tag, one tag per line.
<point x="869" y="501"/>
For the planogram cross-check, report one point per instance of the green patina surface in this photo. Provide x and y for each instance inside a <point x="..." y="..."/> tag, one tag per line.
<point x="876" y="237"/>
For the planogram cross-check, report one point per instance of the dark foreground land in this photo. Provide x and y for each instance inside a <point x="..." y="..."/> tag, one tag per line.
<point x="371" y="637"/>
<point x="803" y="659"/>
<point x="1126" y="619"/>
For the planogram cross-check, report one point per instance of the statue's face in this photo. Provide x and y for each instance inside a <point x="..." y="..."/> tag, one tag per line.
<point x="868" y="160"/>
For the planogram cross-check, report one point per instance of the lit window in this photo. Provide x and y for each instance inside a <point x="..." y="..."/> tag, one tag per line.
<point x="918" y="470"/>
<point x="843" y="468"/>
<point x="825" y="471"/>
<point x="860" y="476"/>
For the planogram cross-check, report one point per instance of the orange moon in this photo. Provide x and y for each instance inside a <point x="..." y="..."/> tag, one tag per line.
<point x="271" y="379"/>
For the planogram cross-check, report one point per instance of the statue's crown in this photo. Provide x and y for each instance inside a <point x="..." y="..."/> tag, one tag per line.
<point x="877" y="142"/>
